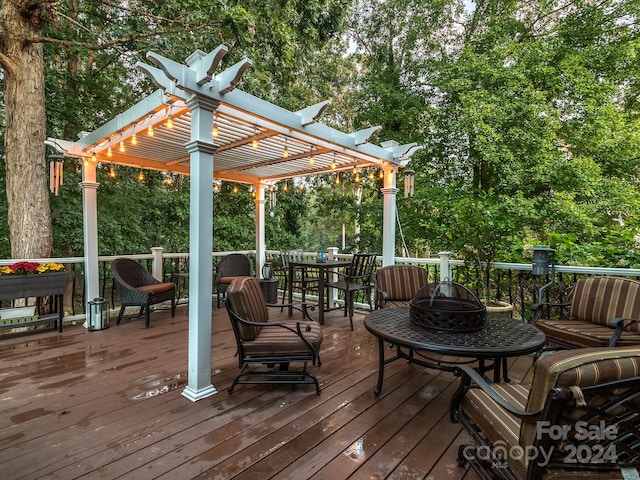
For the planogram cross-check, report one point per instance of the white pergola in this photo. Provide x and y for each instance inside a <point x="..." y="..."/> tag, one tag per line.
<point x="199" y="124"/>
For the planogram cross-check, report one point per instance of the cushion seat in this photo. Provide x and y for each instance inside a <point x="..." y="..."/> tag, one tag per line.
<point x="157" y="288"/>
<point x="582" y="334"/>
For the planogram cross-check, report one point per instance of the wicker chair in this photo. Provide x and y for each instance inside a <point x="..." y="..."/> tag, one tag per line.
<point x="261" y="342"/>
<point x="356" y="278"/>
<point x="578" y="418"/>
<point x="230" y="267"/>
<point x="138" y="288"/>
<point x="397" y="284"/>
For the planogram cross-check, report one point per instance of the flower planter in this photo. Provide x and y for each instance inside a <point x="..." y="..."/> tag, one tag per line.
<point x="32" y="285"/>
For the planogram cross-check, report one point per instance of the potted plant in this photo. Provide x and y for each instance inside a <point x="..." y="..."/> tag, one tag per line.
<point x="478" y="228"/>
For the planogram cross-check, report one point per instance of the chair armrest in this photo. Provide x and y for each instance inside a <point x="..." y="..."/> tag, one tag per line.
<point x="538" y="309"/>
<point x="470" y="378"/>
<point x="620" y="324"/>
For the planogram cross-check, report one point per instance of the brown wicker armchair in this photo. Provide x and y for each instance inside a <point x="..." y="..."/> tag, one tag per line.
<point x="261" y="342"/>
<point x="578" y="418"/>
<point x="231" y="266"/>
<point x="138" y="288"/>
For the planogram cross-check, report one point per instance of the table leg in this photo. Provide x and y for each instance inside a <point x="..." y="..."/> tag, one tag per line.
<point x="378" y="388"/>
<point x="290" y="290"/>
<point x="321" y="274"/>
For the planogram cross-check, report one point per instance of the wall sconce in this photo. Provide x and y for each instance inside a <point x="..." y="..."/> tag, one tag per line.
<point x="543" y="258"/>
<point x="98" y="314"/>
<point x="409" y="183"/>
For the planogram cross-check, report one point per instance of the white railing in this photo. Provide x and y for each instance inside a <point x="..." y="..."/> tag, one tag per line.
<point x="443" y="267"/>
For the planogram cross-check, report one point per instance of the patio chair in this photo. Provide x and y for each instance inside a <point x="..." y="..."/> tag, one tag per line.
<point x="604" y="311"/>
<point x="356" y="278"/>
<point x="231" y="266"/>
<point x="578" y="418"/>
<point x="303" y="279"/>
<point x="138" y="288"/>
<point x="261" y="342"/>
<point x="396" y="285"/>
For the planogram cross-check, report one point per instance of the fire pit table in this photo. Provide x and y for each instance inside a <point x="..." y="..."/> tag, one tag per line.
<point x="499" y="339"/>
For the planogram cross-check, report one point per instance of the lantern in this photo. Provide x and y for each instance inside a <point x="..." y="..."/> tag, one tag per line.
<point x="98" y="314"/>
<point x="543" y="256"/>
<point x="267" y="271"/>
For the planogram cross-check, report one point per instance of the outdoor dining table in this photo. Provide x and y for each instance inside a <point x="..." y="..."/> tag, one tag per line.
<point x="324" y="268"/>
<point x="500" y="338"/>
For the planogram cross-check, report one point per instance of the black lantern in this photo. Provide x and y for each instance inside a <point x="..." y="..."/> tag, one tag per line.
<point x="543" y="256"/>
<point x="98" y="314"/>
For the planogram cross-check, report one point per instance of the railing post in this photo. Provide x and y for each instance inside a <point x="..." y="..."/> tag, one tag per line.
<point x="332" y="293"/>
<point x="445" y="266"/>
<point x="156" y="263"/>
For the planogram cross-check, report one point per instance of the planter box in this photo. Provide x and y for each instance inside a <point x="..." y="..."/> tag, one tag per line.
<point x="23" y="286"/>
<point x="34" y="285"/>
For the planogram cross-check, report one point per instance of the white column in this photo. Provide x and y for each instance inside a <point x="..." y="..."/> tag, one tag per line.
<point x="90" y="227"/>
<point x="156" y="263"/>
<point x="201" y="150"/>
<point x="260" y="238"/>
<point x="389" y="191"/>
<point x="445" y="266"/>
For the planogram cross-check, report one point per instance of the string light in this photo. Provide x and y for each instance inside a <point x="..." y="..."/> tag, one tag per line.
<point x="354" y="170"/>
<point x="338" y="179"/>
<point x="109" y="151"/>
<point x="134" y="138"/>
<point x="333" y="162"/>
<point x="234" y="190"/>
<point x="285" y="150"/>
<point x="94" y="159"/>
<point x="311" y="159"/>
<point x="381" y="175"/>
<point x="254" y="142"/>
<point x="122" y="149"/>
<point x="141" y="176"/>
<point x="169" y="119"/>
<point x="112" y="172"/>
<point x="214" y="130"/>
<point x="168" y="180"/>
<point x="150" y="128"/>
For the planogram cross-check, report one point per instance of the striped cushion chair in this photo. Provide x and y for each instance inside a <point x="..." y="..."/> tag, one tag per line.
<point x="397" y="284"/>
<point x="577" y="418"/>
<point x="261" y="342"/>
<point x="604" y="311"/>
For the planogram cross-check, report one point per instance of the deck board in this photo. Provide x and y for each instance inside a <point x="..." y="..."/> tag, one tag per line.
<point x="108" y="404"/>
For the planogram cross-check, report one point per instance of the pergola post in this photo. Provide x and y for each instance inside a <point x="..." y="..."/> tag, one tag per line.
<point x="389" y="191"/>
<point x="260" y="236"/>
<point x="201" y="150"/>
<point x="90" y="228"/>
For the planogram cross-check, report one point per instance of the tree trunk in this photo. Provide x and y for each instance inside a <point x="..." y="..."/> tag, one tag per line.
<point x="29" y="216"/>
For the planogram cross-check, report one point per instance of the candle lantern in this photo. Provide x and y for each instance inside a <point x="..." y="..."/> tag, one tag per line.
<point x="98" y="314"/>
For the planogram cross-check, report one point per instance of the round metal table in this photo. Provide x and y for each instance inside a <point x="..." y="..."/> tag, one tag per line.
<point x="500" y="338"/>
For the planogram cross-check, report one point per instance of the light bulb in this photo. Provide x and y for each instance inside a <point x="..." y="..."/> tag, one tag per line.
<point x="214" y="131"/>
<point x="112" y="172"/>
<point x="122" y="149"/>
<point x="169" y="122"/>
<point x="141" y="176"/>
<point x="150" y="130"/>
<point x="254" y="143"/>
<point x="134" y="138"/>
<point x="109" y="152"/>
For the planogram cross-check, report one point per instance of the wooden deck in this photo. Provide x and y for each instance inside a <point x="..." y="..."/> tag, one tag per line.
<point x="108" y="404"/>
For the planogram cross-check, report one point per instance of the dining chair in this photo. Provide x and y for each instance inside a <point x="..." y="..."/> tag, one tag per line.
<point x="355" y="278"/>
<point x="303" y="278"/>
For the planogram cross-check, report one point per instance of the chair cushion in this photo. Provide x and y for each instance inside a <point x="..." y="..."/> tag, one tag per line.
<point x="584" y="334"/>
<point x="577" y="367"/>
<point x="397" y="303"/>
<point x="278" y="341"/>
<point x="601" y="299"/>
<point x="401" y="282"/>
<point x="157" y="288"/>
<point x="227" y="280"/>
<point x="246" y="299"/>
<point x="501" y="427"/>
